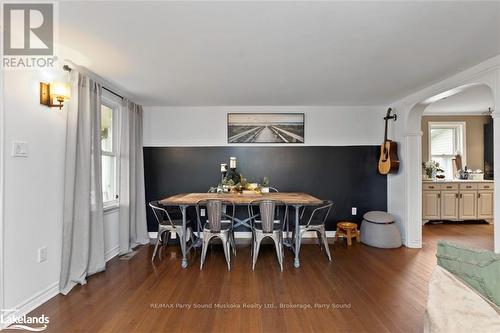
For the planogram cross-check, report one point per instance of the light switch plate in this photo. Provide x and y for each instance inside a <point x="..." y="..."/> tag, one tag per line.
<point x="19" y="149"/>
<point x="354" y="211"/>
<point x="42" y="254"/>
<point x="202" y="212"/>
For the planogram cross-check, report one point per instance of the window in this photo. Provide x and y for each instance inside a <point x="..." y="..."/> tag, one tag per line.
<point x="446" y="139"/>
<point x="110" y="156"/>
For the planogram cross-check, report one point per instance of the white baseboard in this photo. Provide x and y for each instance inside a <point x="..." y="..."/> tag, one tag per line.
<point x="414" y="245"/>
<point x="111" y="253"/>
<point x="248" y="234"/>
<point x="30" y="304"/>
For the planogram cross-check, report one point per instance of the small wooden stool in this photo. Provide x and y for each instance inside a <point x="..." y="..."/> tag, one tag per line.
<point x="348" y="230"/>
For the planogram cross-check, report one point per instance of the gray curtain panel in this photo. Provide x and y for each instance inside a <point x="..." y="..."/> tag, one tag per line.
<point x="83" y="229"/>
<point x="133" y="227"/>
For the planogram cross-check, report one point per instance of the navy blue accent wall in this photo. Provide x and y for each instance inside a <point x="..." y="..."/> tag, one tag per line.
<point x="345" y="174"/>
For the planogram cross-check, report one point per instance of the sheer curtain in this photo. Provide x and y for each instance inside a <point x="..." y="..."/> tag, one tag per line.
<point x="133" y="227"/>
<point x="83" y="229"/>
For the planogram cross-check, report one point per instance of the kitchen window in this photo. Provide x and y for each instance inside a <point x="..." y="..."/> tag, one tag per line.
<point x="447" y="139"/>
<point x="109" y="155"/>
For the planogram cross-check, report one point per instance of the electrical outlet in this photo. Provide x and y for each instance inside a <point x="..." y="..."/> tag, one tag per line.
<point x="354" y="211"/>
<point x="42" y="254"/>
<point x="19" y="149"/>
<point x="202" y="212"/>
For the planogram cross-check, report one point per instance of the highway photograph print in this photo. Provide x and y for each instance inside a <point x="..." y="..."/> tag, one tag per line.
<point x="265" y="128"/>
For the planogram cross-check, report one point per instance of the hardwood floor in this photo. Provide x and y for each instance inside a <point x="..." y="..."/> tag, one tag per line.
<point x="374" y="290"/>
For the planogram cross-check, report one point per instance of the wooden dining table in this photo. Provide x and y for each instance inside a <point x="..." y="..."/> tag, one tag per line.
<point x="294" y="199"/>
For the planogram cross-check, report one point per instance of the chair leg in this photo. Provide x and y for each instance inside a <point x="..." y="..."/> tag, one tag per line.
<point x="227" y="251"/>
<point x="257" y="241"/>
<point x="357" y="236"/>
<point x="349" y="239"/>
<point x="252" y="246"/>
<point x="232" y="242"/>
<point x="318" y="237"/>
<point x="337" y="232"/>
<point x="278" y="250"/>
<point x="204" y="248"/>
<point x="158" y="239"/>
<point x="164" y="242"/>
<point x="325" y="244"/>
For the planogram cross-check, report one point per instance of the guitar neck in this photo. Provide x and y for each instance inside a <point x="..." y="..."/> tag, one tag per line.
<point x="386" y="118"/>
<point x="385" y="132"/>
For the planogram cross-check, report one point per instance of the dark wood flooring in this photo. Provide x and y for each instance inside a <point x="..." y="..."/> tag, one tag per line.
<point x="373" y="290"/>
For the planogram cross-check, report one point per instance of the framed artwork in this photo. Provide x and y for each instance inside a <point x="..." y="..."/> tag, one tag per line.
<point x="265" y="128"/>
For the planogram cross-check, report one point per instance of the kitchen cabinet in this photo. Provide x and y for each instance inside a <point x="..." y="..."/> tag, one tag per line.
<point x="449" y="205"/>
<point x="468" y="205"/>
<point x="485" y="205"/>
<point x="457" y="200"/>
<point x="431" y="205"/>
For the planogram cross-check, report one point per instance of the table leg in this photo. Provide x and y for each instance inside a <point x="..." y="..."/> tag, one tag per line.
<point x="296" y="262"/>
<point x="183" y="237"/>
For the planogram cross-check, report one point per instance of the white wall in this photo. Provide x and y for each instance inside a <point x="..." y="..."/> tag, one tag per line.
<point x="207" y="126"/>
<point x="33" y="193"/>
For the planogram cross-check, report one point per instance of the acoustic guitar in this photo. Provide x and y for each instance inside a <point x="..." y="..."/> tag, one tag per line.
<point x="388" y="161"/>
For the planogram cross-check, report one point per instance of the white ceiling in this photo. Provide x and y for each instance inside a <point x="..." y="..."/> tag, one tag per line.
<point x="277" y="53"/>
<point x="474" y="100"/>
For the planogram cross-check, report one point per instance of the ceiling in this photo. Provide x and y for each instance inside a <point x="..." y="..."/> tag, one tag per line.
<point x="474" y="100"/>
<point x="277" y="53"/>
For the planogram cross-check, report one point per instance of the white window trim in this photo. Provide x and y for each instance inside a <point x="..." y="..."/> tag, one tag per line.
<point x="449" y="124"/>
<point x="114" y="104"/>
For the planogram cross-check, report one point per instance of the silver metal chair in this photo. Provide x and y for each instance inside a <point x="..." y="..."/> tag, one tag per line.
<point x="168" y="225"/>
<point x="266" y="227"/>
<point x="275" y="190"/>
<point x="316" y="222"/>
<point x="217" y="227"/>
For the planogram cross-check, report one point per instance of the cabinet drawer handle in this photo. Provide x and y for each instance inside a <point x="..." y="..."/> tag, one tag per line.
<point x="486" y="187"/>
<point x="439" y="195"/>
<point x="479" y="195"/>
<point x="431" y="186"/>
<point x="468" y="186"/>
<point x="461" y="196"/>
<point x="448" y="186"/>
<point x="456" y="195"/>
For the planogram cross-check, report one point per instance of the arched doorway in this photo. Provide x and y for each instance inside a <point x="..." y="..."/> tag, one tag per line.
<point x="413" y="107"/>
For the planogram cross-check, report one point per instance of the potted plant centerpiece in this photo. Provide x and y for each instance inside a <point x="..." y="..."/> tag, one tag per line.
<point x="431" y="168"/>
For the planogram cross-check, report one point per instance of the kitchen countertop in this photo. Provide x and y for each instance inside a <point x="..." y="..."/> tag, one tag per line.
<point x="458" y="181"/>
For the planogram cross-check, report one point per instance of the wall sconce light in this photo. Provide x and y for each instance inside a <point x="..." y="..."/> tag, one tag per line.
<point x="57" y="91"/>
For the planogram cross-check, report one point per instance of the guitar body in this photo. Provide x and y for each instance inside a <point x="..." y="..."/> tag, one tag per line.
<point x="388" y="161"/>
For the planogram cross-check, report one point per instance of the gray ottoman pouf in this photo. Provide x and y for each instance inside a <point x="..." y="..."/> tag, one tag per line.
<point x="379" y="230"/>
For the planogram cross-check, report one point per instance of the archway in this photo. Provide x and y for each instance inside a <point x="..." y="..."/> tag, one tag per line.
<point x="414" y="106"/>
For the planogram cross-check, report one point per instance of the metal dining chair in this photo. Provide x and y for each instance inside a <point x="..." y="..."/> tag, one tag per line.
<point x="266" y="227"/>
<point x="215" y="226"/>
<point x="274" y="190"/>
<point x="168" y="225"/>
<point x="315" y="221"/>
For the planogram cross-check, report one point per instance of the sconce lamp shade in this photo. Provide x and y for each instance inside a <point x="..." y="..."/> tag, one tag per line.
<point x="60" y="91"/>
<point x="55" y="91"/>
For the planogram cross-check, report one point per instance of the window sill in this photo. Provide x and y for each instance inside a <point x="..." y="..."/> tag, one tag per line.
<point x="110" y="208"/>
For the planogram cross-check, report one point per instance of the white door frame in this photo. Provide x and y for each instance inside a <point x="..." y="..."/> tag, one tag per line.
<point x="2" y="154"/>
<point x="408" y="132"/>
